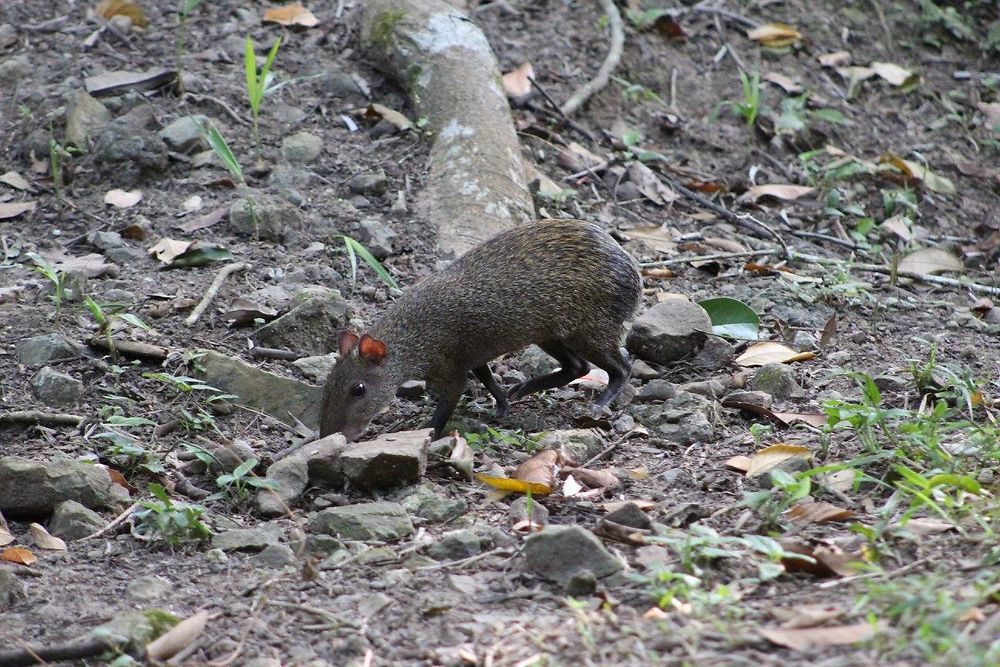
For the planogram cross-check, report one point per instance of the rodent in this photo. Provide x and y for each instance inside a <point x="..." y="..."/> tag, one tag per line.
<point x="564" y="285"/>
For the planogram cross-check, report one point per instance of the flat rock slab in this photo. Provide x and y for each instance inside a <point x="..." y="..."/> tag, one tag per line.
<point x="32" y="488"/>
<point x="247" y="539"/>
<point x="383" y="521"/>
<point x="561" y="552"/>
<point x="390" y="460"/>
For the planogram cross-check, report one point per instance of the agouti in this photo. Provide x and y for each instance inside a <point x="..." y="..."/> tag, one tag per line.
<point x="565" y="285"/>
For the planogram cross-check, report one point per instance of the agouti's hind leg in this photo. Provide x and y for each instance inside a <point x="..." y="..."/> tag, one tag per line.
<point x="489" y="381"/>
<point x="571" y="366"/>
<point x="619" y="370"/>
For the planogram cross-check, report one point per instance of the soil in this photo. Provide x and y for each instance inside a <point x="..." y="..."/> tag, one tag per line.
<point x="392" y="612"/>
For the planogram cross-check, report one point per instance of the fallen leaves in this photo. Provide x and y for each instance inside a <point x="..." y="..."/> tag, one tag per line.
<point x="928" y="261"/>
<point x="122" y="198"/>
<point x="44" y="540"/>
<point x="775" y="35"/>
<point x="293" y="14"/>
<point x="18" y="555"/>
<point x="768" y="458"/>
<point x="517" y="83"/>
<point x="110" y="8"/>
<point x="800" y="639"/>
<point x="767" y="352"/>
<point x="10" y="210"/>
<point x="784" y="192"/>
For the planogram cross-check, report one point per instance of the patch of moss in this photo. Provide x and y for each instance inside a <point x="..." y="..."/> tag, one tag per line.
<point x="384" y="27"/>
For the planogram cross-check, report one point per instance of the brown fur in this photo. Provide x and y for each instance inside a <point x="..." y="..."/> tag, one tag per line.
<point x="563" y="284"/>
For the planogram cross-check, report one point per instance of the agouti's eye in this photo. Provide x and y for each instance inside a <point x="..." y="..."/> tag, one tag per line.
<point x="358" y="390"/>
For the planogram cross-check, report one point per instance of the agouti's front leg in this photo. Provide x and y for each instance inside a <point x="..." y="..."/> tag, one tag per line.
<point x="489" y="381"/>
<point x="447" y="397"/>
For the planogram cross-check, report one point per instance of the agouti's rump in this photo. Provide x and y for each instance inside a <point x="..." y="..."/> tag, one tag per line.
<point x="565" y="285"/>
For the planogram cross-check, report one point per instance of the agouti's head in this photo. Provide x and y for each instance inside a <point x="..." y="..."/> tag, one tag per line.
<point x="359" y="387"/>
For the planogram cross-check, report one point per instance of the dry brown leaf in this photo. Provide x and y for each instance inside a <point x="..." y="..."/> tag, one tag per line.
<point x="739" y="462"/>
<point x="785" y="192"/>
<point x="829" y="331"/>
<point x="171" y="642"/>
<point x="292" y="14"/>
<point x="912" y="169"/>
<point x="898" y="226"/>
<point x="827" y="561"/>
<point x="923" y="526"/>
<point x="111" y="8"/>
<point x="657" y="237"/>
<point x="595" y="479"/>
<point x="204" y="221"/>
<point x="775" y="35"/>
<point x="839" y="480"/>
<point x="834" y="59"/>
<point x="991" y="114"/>
<point x="166" y="249"/>
<point x="120" y="82"/>
<point x="811" y="418"/>
<point x="650" y="185"/>
<point x="10" y="210"/>
<point x="767" y="352"/>
<point x="44" y="540"/>
<point x="90" y="265"/>
<point x="655" y="614"/>
<point x="18" y="555"/>
<point x="818" y="512"/>
<point x="806" y="616"/>
<point x="539" y="469"/>
<point x="571" y="486"/>
<point x="123" y="198"/>
<point x="800" y="639"/>
<point x="5" y="537"/>
<point x="894" y="74"/>
<point x="763" y="460"/>
<point x="577" y="158"/>
<point x="786" y="83"/>
<point x="546" y="186"/>
<point x="376" y="111"/>
<point x="517" y="83"/>
<point x="526" y="527"/>
<point x="612" y="505"/>
<point x="930" y="261"/>
<point x="15" y="180"/>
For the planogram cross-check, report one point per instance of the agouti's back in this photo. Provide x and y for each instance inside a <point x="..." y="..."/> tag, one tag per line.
<point x="563" y="284"/>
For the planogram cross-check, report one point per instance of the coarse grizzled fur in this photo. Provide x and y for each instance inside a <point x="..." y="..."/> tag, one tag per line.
<point x="565" y="285"/>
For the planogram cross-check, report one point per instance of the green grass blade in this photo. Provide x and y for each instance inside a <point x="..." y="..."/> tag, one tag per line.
<point x="353" y="258"/>
<point x="221" y="149"/>
<point x="355" y="247"/>
<point x="250" y="65"/>
<point x="266" y="69"/>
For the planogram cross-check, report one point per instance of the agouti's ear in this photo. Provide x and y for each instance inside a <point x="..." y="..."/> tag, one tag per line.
<point x="346" y="341"/>
<point x="372" y="350"/>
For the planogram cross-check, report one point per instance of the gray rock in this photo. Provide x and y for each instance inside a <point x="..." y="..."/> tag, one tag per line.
<point x="8" y="35"/>
<point x="582" y="583"/>
<point x="707" y="388"/>
<point x="889" y="383"/>
<point x="669" y="332"/>
<point x="106" y="240"/>
<point x="559" y="552"/>
<point x="184" y="136"/>
<point x="316" y="367"/>
<point x="286" y="114"/>
<point x="14" y="69"/>
<point x="535" y="361"/>
<point x="643" y="371"/>
<point x="390" y="460"/>
<point x="322" y="545"/>
<point x="36" y="145"/>
<point x="377" y="236"/>
<point x="264" y="217"/>
<point x="716" y="354"/>
<point x="580" y="444"/>
<point x="323" y="461"/>
<point x="86" y="119"/>
<point x="685" y="419"/>
<point x="759" y="398"/>
<point x="412" y="389"/>
<point x="11" y="589"/>
<point x="128" y="152"/>
<point x="44" y="349"/>
<point x="778" y="380"/>
<point x="629" y="515"/>
<point x="278" y="396"/>
<point x="374" y="183"/>
<point x="310" y="327"/>
<point x="247" y="539"/>
<point x="455" y="545"/>
<point x="275" y="556"/>
<point x="840" y="357"/>
<point x="72" y="521"/>
<point x="302" y="147"/>
<point x="55" y="388"/>
<point x="381" y="520"/>
<point x="126" y="255"/>
<point x="805" y="341"/>
<point x="524" y="508"/>
<point x="145" y="590"/>
<point x="425" y="502"/>
<point x="29" y="488"/>
<point x="337" y="83"/>
<point x="290" y="478"/>
<point x="656" y="390"/>
<point x="289" y="179"/>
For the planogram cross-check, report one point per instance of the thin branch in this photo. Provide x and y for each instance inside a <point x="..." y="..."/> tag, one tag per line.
<point x="213" y="290"/>
<point x="610" y="63"/>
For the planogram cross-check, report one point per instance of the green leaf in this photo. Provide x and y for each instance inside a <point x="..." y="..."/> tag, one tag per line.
<point x="266" y="69"/>
<point x="119" y="420"/>
<point x="732" y="318"/>
<point x="160" y="493"/>
<point x="222" y="150"/>
<point x="200" y="257"/>
<point x="250" y="67"/>
<point x="355" y="247"/>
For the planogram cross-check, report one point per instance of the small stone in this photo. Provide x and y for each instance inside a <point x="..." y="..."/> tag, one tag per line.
<point x="389" y="460"/>
<point x="14" y="69"/>
<point x="455" y="545"/>
<point x="44" y="349"/>
<point x="247" y="539"/>
<point x="559" y="552"/>
<point x="377" y="237"/>
<point x="758" y="398"/>
<point x="523" y="509"/>
<point x="338" y="83"/>
<point x="643" y="371"/>
<point x="30" y="488"/>
<point x="669" y="331"/>
<point x="425" y="502"/>
<point x="716" y="354"/>
<point x="310" y="326"/>
<point x="11" y="589"/>
<point x="266" y="218"/>
<point x="381" y="520"/>
<point x="323" y="461"/>
<point x="275" y="556"/>
<point x="582" y="583"/>
<point x="890" y="383"/>
<point x="289" y="478"/>
<point x="125" y="255"/>
<point x="840" y="357"/>
<point x="184" y="135"/>
<point x="106" y="240"/>
<point x="707" y="388"/>
<point x="374" y="183"/>
<point x="629" y="515"/>
<point x="55" y="388"/>
<point x="8" y="35"/>
<point x="580" y="444"/>
<point x="412" y="389"/>
<point x="86" y="119"/>
<point x="72" y="521"/>
<point x="778" y="380"/>
<point x="656" y="390"/>
<point x="148" y="589"/>
<point x="322" y="545"/>
<point x="302" y="147"/>
<point x="316" y="367"/>
<point x="805" y="342"/>
<point x="127" y="152"/>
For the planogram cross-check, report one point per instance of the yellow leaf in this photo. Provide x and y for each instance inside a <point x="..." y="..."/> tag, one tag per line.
<point x="777" y="190"/>
<point x="515" y="485"/>
<point x="517" y="82"/>
<point x="775" y="35"/>
<point x="767" y="352"/>
<point x="110" y="8"/>
<point x="765" y="459"/>
<point x="896" y="75"/>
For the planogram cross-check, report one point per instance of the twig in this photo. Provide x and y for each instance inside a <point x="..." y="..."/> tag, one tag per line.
<point x="711" y="258"/>
<point x="466" y="561"/>
<point x="38" y="417"/>
<point x="888" y="44"/>
<point x="117" y="521"/>
<point x="725" y="13"/>
<point x="558" y="113"/>
<point x="130" y="348"/>
<point x="611" y="60"/>
<point x="213" y="290"/>
<point x="52" y="25"/>
<point x="826" y="237"/>
<point x="273" y="353"/>
<point x="74" y="650"/>
<point x="225" y="107"/>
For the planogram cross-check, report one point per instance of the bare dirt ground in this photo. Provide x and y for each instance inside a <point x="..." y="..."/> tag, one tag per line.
<point x="703" y="592"/>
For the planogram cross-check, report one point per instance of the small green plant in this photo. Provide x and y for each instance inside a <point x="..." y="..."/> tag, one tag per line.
<point x="634" y="93"/>
<point x="187" y="385"/>
<point x="56" y="277"/>
<point x="222" y="150"/>
<point x="786" y="490"/>
<point x="170" y="522"/>
<point x="186" y="7"/>
<point x="104" y="320"/>
<point x="796" y="115"/>
<point x="749" y="107"/>
<point x="257" y="84"/>
<point x="354" y="250"/>
<point x="495" y="440"/>
<point x="238" y="484"/>
<point x="124" y="451"/>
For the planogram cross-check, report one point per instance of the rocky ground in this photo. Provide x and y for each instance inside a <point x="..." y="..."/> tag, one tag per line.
<point x="739" y="505"/>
